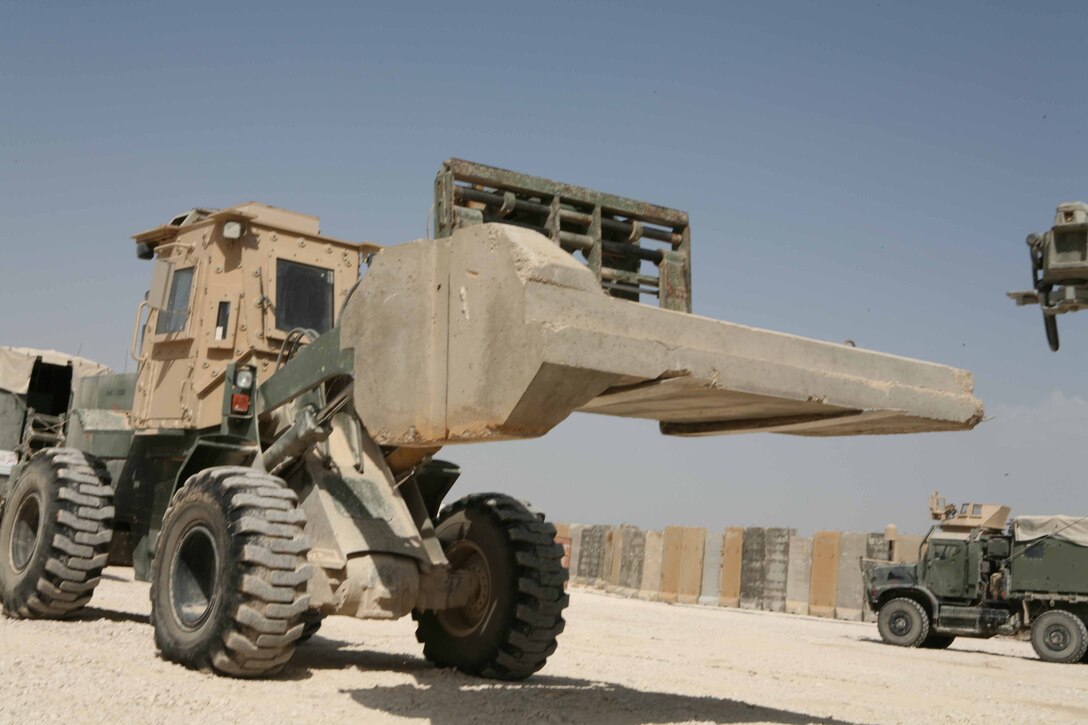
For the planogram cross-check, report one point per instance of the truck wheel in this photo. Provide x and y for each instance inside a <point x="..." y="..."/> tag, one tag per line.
<point x="1059" y="636"/>
<point x="903" y="622"/>
<point x="509" y="628"/>
<point x="55" y="535"/>
<point x="228" y="582"/>
<point x="938" y="641"/>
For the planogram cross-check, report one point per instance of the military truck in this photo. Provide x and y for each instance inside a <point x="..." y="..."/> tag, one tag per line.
<point x="271" y="461"/>
<point x="976" y="578"/>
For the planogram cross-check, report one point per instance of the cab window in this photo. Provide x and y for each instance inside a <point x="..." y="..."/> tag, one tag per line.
<point x="303" y="296"/>
<point x="173" y="317"/>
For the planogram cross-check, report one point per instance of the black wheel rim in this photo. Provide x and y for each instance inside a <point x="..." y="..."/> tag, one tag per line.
<point x="1056" y="637"/>
<point x="25" y="532"/>
<point x="900" y="624"/>
<point x="194" y="575"/>
<point x="463" y="621"/>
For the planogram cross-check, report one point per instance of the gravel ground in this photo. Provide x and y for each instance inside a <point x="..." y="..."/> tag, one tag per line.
<point x="620" y="661"/>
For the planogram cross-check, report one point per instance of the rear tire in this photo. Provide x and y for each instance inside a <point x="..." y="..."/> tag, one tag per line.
<point x="228" y="583"/>
<point x="903" y="622"/>
<point x="509" y="629"/>
<point x="1059" y="636"/>
<point x="55" y="535"/>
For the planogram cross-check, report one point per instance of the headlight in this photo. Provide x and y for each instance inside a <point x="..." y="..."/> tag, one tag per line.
<point x="243" y="379"/>
<point x="232" y="230"/>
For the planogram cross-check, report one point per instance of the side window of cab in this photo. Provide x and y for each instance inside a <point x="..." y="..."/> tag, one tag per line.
<point x="175" y="313"/>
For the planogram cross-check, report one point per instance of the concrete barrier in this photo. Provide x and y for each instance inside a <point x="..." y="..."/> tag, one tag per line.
<point x="693" y="548"/>
<point x="776" y="563"/>
<point x="628" y="550"/>
<point x="799" y="579"/>
<point x="562" y="537"/>
<point x="671" y="552"/>
<point x="825" y="573"/>
<point x="575" y="551"/>
<point x="905" y="548"/>
<point x="732" y="561"/>
<point x="753" y="572"/>
<point x="651" y="566"/>
<point x="595" y="555"/>
<point x="710" y="593"/>
<point x="849" y="598"/>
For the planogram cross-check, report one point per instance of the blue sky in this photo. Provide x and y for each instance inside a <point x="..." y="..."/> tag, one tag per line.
<point x="852" y="170"/>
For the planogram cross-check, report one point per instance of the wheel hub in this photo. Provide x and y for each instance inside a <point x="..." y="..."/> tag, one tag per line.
<point x="25" y="532"/>
<point x="1056" y="637"/>
<point x="899" y="624"/>
<point x="193" y="577"/>
<point x="466" y="556"/>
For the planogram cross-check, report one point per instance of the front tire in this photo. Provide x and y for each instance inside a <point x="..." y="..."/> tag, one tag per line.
<point x="903" y="622"/>
<point x="508" y="629"/>
<point x="228" y="583"/>
<point x="55" y="535"/>
<point x="1059" y="636"/>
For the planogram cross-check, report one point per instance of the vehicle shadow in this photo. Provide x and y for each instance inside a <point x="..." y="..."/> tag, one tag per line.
<point x="447" y="697"/>
<point x="966" y="650"/>
<point x="93" y="614"/>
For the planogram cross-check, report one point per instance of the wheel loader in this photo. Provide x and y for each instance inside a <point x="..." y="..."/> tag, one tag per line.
<point x="272" y="461"/>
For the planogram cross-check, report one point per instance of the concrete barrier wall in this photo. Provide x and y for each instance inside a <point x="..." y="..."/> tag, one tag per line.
<point x="825" y="572"/>
<point x="595" y="555"/>
<point x="849" y="596"/>
<point x="732" y="561"/>
<point x="711" y="590"/>
<point x="651" y="566"/>
<point x="693" y="546"/>
<point x="799" y="578"/>
<point x="772" y="569"/>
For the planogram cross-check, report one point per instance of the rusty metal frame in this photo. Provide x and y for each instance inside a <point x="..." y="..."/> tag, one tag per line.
<point x="614" y="235"/>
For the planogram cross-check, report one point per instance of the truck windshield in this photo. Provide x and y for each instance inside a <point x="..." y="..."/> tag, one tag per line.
<point x="303" y="296"/>
<point x="172" y="319"/>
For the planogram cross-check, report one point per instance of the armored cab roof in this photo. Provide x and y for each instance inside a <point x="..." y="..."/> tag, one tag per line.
<point x="253" y="212"/>
<point x="978" y="515"/>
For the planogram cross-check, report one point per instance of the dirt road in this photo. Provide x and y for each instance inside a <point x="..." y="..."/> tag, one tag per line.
<point x="620" y="661"/>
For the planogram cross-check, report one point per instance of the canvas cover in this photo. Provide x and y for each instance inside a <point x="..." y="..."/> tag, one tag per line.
<point x="17" y="363"/>
<point x="1067" y="528"/>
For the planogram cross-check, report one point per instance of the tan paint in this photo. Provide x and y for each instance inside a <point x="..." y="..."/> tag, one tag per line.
<point x="180" y="382"/>
<point x="825" y="568"/>
<point x="671" y="556"/>
<point x="692" y="549"/>
<point x="732" y="548"/>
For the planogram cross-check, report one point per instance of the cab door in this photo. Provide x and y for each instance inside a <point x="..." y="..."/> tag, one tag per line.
<point x="946" y="569"/>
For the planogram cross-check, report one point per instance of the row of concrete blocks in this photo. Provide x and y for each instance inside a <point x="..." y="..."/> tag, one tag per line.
<point x="772" y="569"/>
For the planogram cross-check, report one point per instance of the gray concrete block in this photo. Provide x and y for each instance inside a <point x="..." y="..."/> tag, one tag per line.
<point x="776" y="563"/>
<point x="799" y="577"/>
<point x="849" y="597"/>
<point x="595" y="555"/>
<point x="752" y="568"/>
<point x="711" y="592"/>
<point x="651" y="565"/>
<point x="575" y="551"/>
<point x="631" y="558"/>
